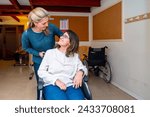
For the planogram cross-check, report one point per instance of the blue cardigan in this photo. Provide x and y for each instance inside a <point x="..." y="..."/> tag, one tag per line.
<point x="34" y="43"/>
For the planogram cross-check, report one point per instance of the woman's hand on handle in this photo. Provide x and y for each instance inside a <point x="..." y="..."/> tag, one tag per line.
<point x="41" y="54"/>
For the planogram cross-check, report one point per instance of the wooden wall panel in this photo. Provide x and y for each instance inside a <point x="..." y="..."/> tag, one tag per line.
<point x="108" y="23"/>
<point x="78" y="24"/>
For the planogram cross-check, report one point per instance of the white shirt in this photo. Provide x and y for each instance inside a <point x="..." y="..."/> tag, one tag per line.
<point x="55" y="65"/>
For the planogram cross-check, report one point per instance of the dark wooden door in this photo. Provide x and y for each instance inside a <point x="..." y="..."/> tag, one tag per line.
<point x="10" y="40"/>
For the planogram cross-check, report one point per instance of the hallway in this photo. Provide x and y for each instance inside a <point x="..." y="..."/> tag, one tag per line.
<point x="15" y="85"/>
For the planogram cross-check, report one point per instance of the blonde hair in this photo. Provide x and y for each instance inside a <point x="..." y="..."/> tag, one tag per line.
<point x="36" y="15"/>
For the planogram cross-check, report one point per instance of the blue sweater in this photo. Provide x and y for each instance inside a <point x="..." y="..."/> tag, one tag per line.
<point x="34" y="43"/>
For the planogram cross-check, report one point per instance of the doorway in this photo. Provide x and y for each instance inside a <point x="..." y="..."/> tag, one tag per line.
<point x="10" y="40"/>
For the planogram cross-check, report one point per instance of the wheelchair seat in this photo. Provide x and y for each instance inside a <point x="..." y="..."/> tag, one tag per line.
<point x="85" y="89"/>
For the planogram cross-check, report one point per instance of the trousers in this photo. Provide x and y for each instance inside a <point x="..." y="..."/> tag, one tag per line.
<point x="53" y="92"/>
<point x="36" y="67"/>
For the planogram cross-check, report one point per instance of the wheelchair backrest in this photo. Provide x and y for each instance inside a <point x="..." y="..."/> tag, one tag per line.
<point x="96" y="56"/>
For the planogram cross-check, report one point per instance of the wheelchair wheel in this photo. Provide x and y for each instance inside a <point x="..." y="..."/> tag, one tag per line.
<point x="105" y="72"/>
<point x="96" y="71"/>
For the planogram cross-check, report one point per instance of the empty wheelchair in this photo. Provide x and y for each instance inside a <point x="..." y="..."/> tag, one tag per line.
<point x="96" y="60"/>
<point x="85" y="89"/>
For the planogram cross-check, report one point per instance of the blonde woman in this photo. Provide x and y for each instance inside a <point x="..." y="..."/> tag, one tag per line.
<point x="40" y="36"/>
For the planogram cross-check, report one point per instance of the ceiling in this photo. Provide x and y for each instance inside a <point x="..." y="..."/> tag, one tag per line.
<point x="16" y="8"/>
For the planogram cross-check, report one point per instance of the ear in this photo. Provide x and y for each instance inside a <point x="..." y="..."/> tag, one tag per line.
<point x="35" y="23"/>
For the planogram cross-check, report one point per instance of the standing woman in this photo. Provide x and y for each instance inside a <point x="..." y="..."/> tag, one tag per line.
<point x="40" y="36"/>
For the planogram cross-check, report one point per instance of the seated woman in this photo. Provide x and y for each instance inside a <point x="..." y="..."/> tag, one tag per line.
<point x="62" y="71"/>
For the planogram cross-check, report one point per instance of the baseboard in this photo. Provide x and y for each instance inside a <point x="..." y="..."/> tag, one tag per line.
<point x="127" y="91"/>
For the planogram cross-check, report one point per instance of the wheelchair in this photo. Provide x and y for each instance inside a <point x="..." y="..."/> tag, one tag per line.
<point x="21" y="58"/>
<point x="85" y="89"/>
<point x="97" y="61"/>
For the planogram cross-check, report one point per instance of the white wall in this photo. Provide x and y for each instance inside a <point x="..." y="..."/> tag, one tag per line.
<point x="130" y="56"/>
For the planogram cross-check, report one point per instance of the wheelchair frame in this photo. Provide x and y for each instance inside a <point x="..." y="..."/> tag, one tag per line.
<point x="97" y="61"/>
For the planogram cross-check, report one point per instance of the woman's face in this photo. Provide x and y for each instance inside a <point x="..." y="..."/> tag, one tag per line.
<point x="42" y="24"/>
<point x="64" y="40"/>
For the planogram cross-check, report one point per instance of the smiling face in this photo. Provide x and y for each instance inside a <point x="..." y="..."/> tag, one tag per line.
<point x="68" y="43"/>
<point x="64" y="40"/>
<point x="42" y="24"/>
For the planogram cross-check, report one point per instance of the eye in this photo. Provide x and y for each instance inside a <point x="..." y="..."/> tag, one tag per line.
<point x="65" y="36"/>
<point x="44" y="23"/>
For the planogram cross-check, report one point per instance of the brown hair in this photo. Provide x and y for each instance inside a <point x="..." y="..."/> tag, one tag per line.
<point x="74" y="43"/>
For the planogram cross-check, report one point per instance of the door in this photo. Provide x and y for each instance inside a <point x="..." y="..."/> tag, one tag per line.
<point x="9" y="41"/>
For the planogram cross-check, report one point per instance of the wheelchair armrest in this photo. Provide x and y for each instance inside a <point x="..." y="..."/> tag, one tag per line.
<point x="85" y="57"/>
<point x="40" y="84"/>
<point x="40" y="89"/>
<point x="85" y="89"/>
<point x="85" y="78"/>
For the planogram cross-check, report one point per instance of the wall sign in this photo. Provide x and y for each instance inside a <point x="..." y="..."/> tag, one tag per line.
<point x="64" y="24"/>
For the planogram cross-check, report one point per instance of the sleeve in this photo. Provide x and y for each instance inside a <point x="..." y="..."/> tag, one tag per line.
<point x="43" y="70"/>
<point x="80" y="66"/>
<point x="26" y="45"/>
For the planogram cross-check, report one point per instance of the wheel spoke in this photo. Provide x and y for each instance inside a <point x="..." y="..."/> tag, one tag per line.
<point x="106" y="72"/>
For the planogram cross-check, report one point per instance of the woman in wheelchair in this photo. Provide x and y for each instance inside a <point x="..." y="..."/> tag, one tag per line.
<point x="62" y="71"/>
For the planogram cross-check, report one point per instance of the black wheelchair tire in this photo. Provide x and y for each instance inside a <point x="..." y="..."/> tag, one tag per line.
<point x="105" y="72"/>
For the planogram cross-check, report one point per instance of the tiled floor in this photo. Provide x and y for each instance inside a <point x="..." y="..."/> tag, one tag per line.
<point x="15" y="85"/>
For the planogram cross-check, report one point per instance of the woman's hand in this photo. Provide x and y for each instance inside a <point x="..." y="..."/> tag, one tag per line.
<point x="41" y="54"/>
<point x="60" y="84"/>
<point x="77" y="82"/>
